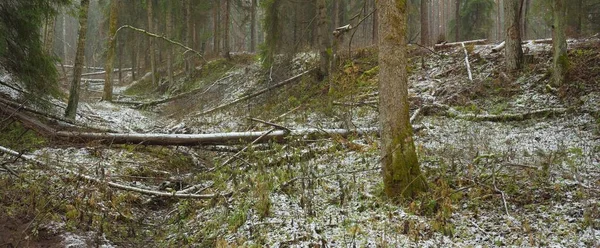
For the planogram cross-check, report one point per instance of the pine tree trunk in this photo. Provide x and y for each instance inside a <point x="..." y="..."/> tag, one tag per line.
<point x="110" y="54"/>
<point x="253" y="27"/>
<point x="401" y="173"/>
<point x="151" y="43"/>
<point x="513" y="51"/>
<point x="559" y="43"/>
<point x="169" y="48"/>
<point x="425" y="40"/>
<point x="71" y="110"/>
<point x="323" y="30"/>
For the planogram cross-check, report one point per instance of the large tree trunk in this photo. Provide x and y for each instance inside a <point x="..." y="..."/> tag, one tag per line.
<point x="559" y="43"/>
<point x="513" y="52"/>
<point x="323" y="30"/>
<point x="401" y="173"/>
<point x="110" y="53"/>
<point x="253" y="27"/>
<point x="152" y="43"/>
<point x="71" y="110"/>
<point x="425" y="40"/>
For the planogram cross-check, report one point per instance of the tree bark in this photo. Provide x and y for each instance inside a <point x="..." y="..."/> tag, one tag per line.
<point x="226" y="24"/>
<point x="513" y="51"/>
<point x="169" y="48"/>
<point x="110" y="53"/>
<point x="323" y="31"/>
<point x="457" y="21"/>
<point x="253" y="27"/>
<point x="151" y="43"/>
<point x="425" y="40"/>
<point x="401" y="173"/>
<point x="71" y="109"/>
<point x="49" y="34"/>
<point x="216" y="29"/>
<point x="559" y="43"/>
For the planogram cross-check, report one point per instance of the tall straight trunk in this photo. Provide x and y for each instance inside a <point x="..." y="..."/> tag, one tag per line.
<point x="169" y="48"/>
<point x="189" y="29"/>
<point x="226" y="24"/>
<point x="253" y="27"/>
<point x="110" y="53"/>
<point x="216" y="29"/>
<point x="49" y="34"/>
<point x="336" y="14"/>
<point x="425" y="40"/>
<point x="401" y="173"/>
<point x="579" y="28"/>
<point x="559" y="43"/>
<point x="457" y="21"/>
<point x="375" y="26"/>
<point x="151" y="43"/>
<point x="323" y="35"/>
<point x="64" y="36"/>
<point x="513" y="51"/>
<point x="134" y="62"/>
<point x="524" y="19"/>
<point x="71" y="110"/>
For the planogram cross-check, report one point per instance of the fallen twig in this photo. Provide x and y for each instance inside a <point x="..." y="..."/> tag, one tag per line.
<point x="467" y="62"/>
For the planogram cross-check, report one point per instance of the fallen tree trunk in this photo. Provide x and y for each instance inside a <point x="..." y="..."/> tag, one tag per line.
<point x="181" y="139"/>
<point x="260" y="92"/>
<point x="453" y="44"/>
<point x="104" y="72"/>
<point x="206" y="139"/>
<point x="90" y="179"/>
<point x="445" y="110"/>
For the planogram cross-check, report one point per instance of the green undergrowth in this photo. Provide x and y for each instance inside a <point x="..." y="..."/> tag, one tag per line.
<point x="15" y="136"/>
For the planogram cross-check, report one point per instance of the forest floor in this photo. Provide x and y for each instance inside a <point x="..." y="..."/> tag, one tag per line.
<point x="509" y="161"/>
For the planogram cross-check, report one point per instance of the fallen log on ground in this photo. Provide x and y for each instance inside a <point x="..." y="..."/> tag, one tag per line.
<point x="181" y="139"/>
<point x="91" y="179"/>
<point x="453" y="44"/>
<point x="260" y="92"/>
<point x="445" y="110"/>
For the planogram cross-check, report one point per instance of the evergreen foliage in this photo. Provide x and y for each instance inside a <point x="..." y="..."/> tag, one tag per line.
<point x="21" y="48"/>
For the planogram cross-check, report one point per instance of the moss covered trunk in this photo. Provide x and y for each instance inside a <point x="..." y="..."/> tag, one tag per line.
<point x="71" y="110"/>
<point x="559" y="43"/>
<point x="110" y="53"/>
<point x="401" y="173"/>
